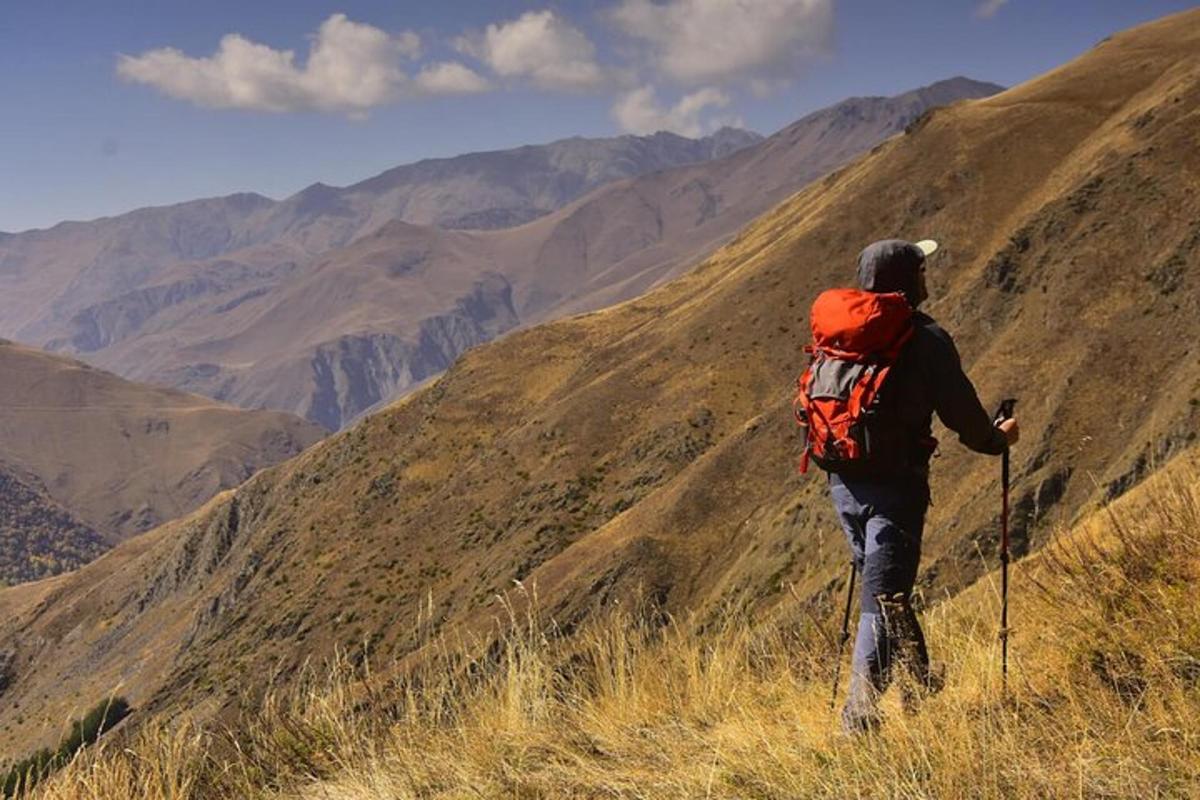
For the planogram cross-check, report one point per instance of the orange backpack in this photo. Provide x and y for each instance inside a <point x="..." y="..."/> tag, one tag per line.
<point x="857" y="336"/>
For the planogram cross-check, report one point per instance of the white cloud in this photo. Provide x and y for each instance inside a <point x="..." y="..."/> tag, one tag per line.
<point x="988" y="8"/>
<point x="449" y="77"/>
<point x="540" y="46"/>
<point x="640" y="112"/>
<point x="351" y="67"/>
<point x="709" y="46"/>
<point x="717" y="41"/>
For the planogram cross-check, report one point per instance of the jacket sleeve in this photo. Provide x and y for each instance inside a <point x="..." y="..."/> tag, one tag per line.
<point x="957" y="404"/>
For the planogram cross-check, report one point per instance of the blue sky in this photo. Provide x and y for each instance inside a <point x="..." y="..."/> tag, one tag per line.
<point x="111" y="106"/>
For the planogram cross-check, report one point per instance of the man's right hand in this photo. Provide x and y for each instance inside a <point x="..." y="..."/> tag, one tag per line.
<point x="1011" y="430"/>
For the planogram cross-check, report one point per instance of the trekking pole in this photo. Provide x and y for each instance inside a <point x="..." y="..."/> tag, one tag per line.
<point x="837" y="666"/>
<point x="1005" y="412"/>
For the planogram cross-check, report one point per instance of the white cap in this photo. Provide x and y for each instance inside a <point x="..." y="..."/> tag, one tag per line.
<point x="927" y="246"/>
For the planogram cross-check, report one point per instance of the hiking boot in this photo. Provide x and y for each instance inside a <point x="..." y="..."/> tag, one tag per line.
<point x="855" y="725"/>
<point x="861" y="713"/>
<point x="914" y="691"/>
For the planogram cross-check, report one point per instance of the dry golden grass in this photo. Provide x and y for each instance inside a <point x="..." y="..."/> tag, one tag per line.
<point x="1103" y="701"/>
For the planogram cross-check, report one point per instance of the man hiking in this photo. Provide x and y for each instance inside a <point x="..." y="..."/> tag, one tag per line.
<point x="880" y="369"/>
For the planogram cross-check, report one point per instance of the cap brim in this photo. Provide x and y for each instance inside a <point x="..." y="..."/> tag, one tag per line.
<point x="927" y="246"/>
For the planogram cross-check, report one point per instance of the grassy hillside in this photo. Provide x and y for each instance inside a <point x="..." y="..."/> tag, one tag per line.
<point x="649" y="448"/>
<point x="1104" y="700"/>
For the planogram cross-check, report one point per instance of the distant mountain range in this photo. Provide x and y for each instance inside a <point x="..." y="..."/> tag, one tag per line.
<point x="88" y="459"/>
<point x="335" y="300"/>
<point x="500" y="189"/>
<point x="70" y="267"/>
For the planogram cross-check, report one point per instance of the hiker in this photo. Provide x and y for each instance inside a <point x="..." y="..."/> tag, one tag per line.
<point x="880" y="369"/>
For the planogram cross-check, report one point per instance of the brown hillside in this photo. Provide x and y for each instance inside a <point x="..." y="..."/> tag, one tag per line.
<point x="649" y="447"/>
<point x="122" y="457"/>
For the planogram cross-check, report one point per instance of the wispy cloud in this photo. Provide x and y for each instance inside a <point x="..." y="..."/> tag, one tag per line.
<point x="540" y="46"/>
<point x="709" y="41"/>
<point x="988" y="8"/>
<point x="351" y="67"/>
<point x="450" y="77"/>
<point x="639" y="111"/>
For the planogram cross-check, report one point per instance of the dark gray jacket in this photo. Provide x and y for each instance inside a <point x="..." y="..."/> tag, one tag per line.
<point x="928" y="377"/>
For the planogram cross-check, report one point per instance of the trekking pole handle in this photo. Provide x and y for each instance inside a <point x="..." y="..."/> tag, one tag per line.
<point x="1006" y="410"/>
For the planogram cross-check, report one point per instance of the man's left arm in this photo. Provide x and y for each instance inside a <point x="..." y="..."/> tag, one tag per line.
<point x="957" y="404"/>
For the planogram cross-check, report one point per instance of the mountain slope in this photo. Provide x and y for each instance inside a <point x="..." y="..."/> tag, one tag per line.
<point x="1102" y="672"/>
<point x="649" y="449"/>
<point x="116" y="458"/>
<point x="334" y="337"/>
<point x="46" y="276"/>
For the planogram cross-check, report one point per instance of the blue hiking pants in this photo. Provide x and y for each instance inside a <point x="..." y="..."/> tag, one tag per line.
<point x="883" y="520"/>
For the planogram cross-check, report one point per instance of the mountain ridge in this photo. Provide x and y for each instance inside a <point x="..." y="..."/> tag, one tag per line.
<point x="720" y="142"/>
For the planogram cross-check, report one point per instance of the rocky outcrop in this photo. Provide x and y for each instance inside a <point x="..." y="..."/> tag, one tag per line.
<point x="357" y="372"/>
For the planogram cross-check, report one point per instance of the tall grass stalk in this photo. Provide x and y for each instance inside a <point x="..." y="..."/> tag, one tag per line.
<point x="1104" y="701"/>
